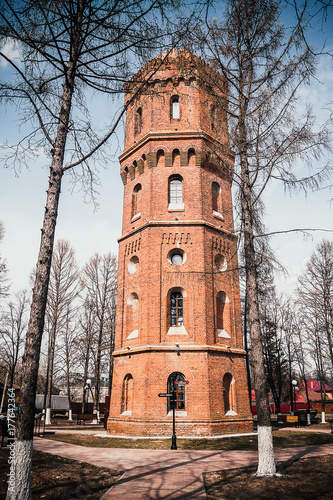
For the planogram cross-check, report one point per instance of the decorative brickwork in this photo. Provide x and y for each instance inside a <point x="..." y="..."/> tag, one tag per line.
<point x="178" y="307"/>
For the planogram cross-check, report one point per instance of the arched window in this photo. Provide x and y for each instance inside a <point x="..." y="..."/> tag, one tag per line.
<point x="216" y="197"/>
<point x="228" y="396"/>
<point x="176" y="192"/>
<point x="127" y="395"/>
<point x="136" y="200"/>
<point x="175" y="107"/>
<point x="176" y="309"/>
<point x="222" y="315"/>
<point x="132" y="316"/>
<point x="212" y="116"/>
<point x="138" y="121"/>
<point x="179" y="401"/>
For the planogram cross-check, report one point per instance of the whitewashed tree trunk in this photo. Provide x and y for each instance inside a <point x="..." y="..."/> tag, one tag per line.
<point x="323" y="421"/>
<point x="266" y="461"/>
<point x="21" y="489"/>
<point x="48" y="416"/>
<point x="70" y="415"/>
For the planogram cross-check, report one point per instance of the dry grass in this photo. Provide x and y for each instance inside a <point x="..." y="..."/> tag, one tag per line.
<point x="57" y="478"/>
<point x="305" y="479"/>
<point x="282" y="439"/>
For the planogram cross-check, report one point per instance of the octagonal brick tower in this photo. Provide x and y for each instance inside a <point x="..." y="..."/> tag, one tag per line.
<point x="178" y="305"/>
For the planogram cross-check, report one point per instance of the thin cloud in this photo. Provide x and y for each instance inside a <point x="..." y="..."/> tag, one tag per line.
<point x="10" y="49"/>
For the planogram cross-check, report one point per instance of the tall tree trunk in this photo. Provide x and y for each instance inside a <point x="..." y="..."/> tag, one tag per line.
<point x="4" y="391"/>
<point x="266" y="465"/>
<point x="85" y="376"/>
<point x="25" y="420"/>
<point x="111" y="359"/>
<point x="70" y="416"/>
<point x="48" y="401"/>
<point x="247" y="360"/>
<point x="98" y="363"/>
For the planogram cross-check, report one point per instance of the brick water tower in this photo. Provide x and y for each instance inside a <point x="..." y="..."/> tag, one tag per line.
<point x="178" y="303"/>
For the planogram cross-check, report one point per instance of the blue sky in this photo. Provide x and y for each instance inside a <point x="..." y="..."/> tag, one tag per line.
<point x="23" y="196"/>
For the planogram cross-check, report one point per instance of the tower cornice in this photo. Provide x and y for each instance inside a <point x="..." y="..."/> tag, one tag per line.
<point x="176" y="224"/>
<point x="179" y="348"/>
<point x="159" y="136"/>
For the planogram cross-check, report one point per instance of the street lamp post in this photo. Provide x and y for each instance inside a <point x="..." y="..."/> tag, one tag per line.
<point x="294" y="383"/>
<point x="96" y="416"/>
<point x="173" y="395"/>
<point x="174" y="437"/>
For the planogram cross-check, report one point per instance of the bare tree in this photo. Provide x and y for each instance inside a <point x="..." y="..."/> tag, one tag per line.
<point x="67" y="351"/>
<point x="264" y="65"/>
<point x="301" y="358"/>
<point x="315" y="291"/>
<point x="4" y="285"/>
<point x="62" y="292"/>
<point x="289" y="325"/>
<point x="65" y="48"/>
<point x="112" y="336"/>
<point x="84" y="342"/>
<point x="13" y="329"/>
<point x="315" y="296"/>
<point x="99" y="279"/>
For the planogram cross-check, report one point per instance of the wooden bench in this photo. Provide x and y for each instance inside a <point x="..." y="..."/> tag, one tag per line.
<point x="302" y="419"/>
<point x="83" y="417"/>
<point x="292" y="419"/>
<point x="288" y="419"/>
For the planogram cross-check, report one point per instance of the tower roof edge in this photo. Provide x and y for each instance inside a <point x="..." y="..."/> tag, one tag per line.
<point x="182" y="62"/>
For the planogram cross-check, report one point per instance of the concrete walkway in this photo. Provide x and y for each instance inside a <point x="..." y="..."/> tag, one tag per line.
<point x="165" y="474"/>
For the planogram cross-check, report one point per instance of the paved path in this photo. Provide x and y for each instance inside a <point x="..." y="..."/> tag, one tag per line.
<point x="165" y="474"/>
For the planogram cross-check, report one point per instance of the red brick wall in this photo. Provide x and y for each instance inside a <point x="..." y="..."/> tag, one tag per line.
<point x="150" y="354"/>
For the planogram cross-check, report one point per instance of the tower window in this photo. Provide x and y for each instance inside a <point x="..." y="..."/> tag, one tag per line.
<point x="175" y="107"/>
<point x="127" y="395"/>
<point x="176" y="257"/>
<point x="176" y="309"/>
<point x="136" y="200"/>
<point x="132" y="316"/>
<point x="138" y="121"/>
<point x="176" y="191"/>
<point x="133" y="264"/>
<point x="212" y="116"/>
<point x="222" y="315"/>
<point x="216" y="197"/>
<point x="220" y="262"/>
<point x="179" y="402"/>
<point x="228" y="396"/>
